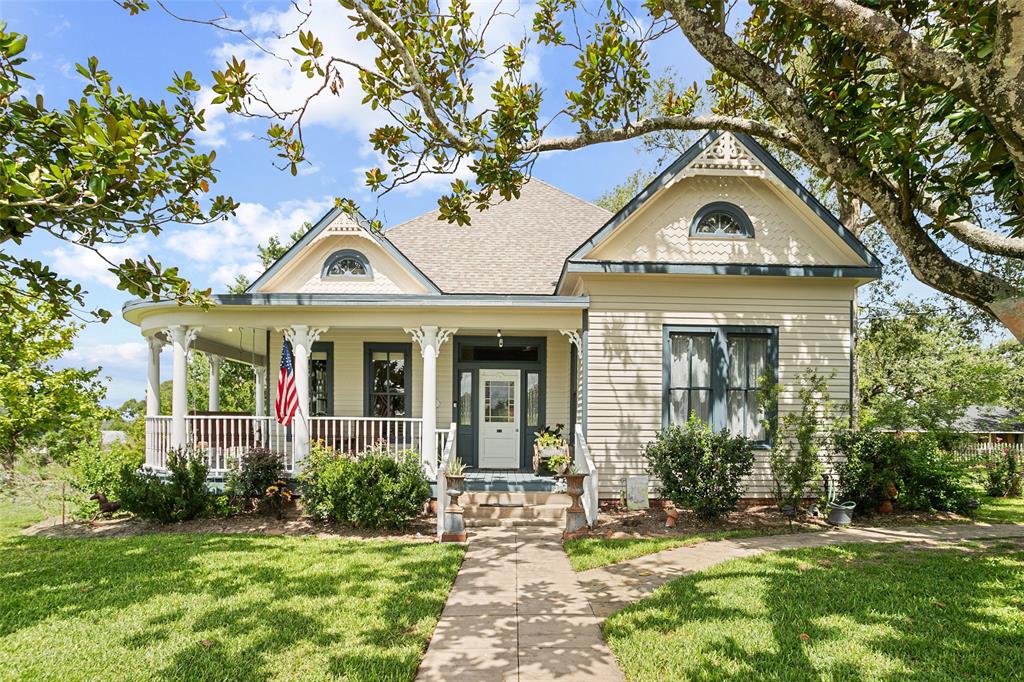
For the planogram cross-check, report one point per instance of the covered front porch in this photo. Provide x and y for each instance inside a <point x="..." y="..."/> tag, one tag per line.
<point x="481" y="374"/>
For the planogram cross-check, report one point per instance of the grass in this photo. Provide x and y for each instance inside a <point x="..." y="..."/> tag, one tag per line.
<point x="216" y="607"/>
<point x="587" y="553"/>
<point x="1001" y="510"/>
<point x="835" y="613"/>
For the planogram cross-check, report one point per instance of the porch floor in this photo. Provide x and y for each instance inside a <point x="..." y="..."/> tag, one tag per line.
<point x="506" y="480"/>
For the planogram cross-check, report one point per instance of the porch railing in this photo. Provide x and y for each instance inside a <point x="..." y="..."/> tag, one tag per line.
<point x="584" y="463"/>
<point x="359" y="434"/>
<point x="447" y="455"/>
<point x="224" y="438"/>
<point x="158" y="441"/>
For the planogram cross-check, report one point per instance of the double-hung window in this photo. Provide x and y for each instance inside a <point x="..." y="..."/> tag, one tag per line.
<point x="387" y="371"/>
<point x="715" y="373"/>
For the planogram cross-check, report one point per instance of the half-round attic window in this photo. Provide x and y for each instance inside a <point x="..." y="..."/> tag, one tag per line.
<point x="721" y="219"/>
<point x="347" y="264"/>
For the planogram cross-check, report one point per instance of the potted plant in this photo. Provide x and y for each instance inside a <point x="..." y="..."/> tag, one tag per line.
<point x="548" y="444"/>
<point x="558" y="463"/>
<point x="455" y="480"/>
<point x="278" y="496"/>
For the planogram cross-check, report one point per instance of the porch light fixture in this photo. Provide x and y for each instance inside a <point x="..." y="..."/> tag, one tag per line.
<point x="501" y="341"/>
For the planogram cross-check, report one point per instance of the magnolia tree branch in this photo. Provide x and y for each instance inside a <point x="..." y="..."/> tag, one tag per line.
<point x="973" y="236"/>
<point x="659" y="123"/>
<point x="926" y="260"/>
<point x="997" y="97"/>
<point x="412" y="72"/>
<point x="912" y="56"/>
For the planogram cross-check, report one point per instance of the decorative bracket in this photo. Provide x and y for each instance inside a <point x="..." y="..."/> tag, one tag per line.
<point x="442" y="335"/>
<point x="312" y="333"/>
<point x="189" y="334"/>
<point x="574" y="338"/>
<point x="156" y="344"/>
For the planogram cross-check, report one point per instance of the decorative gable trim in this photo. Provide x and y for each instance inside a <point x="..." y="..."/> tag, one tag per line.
<point x="717" y="153"/>
<point x="354" y="226"/>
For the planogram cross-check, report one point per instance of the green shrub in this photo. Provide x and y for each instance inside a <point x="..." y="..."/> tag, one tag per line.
<point x="253" y="473"/>
<point x="371" y="490"/>
<point x="1004" y="473"/>
<point x="95" y="469"/>
<point x="924" y="476"/>
<point x="182" y="496"/>
<point x="798" y="437"/>
<point x="699" y="469"/>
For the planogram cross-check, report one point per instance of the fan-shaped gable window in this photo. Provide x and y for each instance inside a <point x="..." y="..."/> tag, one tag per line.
<point x="721" y="219"/>
<point x="347" y="264"/>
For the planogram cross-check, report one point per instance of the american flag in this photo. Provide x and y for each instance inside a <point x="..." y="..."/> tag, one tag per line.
<point x="287" y="396"/>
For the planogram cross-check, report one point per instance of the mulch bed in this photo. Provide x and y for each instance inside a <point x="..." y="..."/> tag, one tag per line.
<point x="422" y="529"/>
<point x="623" y="523"/>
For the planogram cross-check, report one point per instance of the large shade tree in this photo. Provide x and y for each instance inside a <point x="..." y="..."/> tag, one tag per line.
<point x="103" y="169"/>
<point x="909" y="112"/>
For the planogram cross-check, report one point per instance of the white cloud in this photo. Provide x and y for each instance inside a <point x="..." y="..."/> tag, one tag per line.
<point x="286" y="87"/>
<point x="232" y="244"/>
<point x="85" y="265"/>
<point x="127" y="355"/>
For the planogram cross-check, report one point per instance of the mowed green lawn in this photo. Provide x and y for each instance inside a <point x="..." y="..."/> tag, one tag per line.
<point x="587" y="553"/>
<point x="848" y="612"/>
<point x="218" y="607"/>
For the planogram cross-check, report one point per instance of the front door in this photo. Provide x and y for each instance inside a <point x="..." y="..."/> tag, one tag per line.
<point x="499" y="418"/>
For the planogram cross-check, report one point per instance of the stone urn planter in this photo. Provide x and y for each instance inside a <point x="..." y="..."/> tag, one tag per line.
<point x="454" y="524"/>
<point x="576" y="515"/>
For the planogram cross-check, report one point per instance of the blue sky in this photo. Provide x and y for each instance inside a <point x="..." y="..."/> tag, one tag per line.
<point x="143" y="52"/>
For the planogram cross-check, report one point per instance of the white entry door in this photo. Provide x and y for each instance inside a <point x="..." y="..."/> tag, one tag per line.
<point x="499" y="419"/>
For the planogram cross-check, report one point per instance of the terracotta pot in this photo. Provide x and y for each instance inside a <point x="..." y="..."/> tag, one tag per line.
<point x="671" y="515"/>
<point x="885" y="507"/>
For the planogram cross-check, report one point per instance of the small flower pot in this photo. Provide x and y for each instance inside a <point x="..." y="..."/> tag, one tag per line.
<point x="885" y="507"/>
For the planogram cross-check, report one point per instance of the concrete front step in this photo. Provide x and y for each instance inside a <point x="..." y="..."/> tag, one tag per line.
<point x="514" y="509"/>
<point x="513" y="523"/>
<point x="474" y="498"/>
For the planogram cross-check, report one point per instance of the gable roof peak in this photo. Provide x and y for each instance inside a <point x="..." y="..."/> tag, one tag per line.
<point x="718" y="152"/>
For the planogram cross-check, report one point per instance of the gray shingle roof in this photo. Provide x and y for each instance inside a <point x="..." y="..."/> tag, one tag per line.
<point x="515" y="247"/>
<point x="990" y="419"/>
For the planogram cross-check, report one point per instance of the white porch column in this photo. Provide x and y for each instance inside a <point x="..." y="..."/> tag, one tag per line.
<point x="181" y="338"/>
<point x="260" y="375"/>
<point x="430" y="340"/>
<point x="214" y="401"/>
<point x="302" y="337"/>
<point x="156" y="344"/>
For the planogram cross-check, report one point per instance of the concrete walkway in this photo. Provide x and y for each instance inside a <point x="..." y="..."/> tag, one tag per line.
<point x="517" y="612"/>
<point x="611" y="588"/>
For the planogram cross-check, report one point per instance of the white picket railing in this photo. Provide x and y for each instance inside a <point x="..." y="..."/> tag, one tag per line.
<point x="447" y="455"/>
<point x="976" y="452"/>
<point x="584" y="464"/>
<point x="225" y="438"/>
<point x="158" y="441"/>
<point x="359" y="434"/>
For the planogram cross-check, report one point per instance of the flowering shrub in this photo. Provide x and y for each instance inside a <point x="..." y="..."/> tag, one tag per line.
<point x="253" y="473"/>
<point x="277" y="495"/>
<point x="1004" y="473"/>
